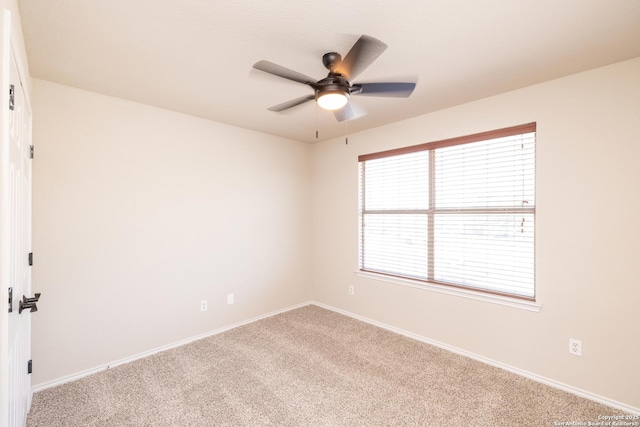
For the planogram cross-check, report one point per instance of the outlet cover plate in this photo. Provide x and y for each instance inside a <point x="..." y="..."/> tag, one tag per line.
<point x="575" y="347"/>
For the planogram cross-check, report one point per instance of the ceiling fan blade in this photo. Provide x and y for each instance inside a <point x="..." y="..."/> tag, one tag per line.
<point x="362" y="54"/>
<point x="349" y="112"/>
<point x="280" y="71"/>
<point x="292" y="103"/>
<point x="393" y="90"/>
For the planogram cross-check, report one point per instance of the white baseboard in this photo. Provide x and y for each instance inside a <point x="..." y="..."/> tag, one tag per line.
<point x="78" y="375"/>
<point x="535" y="377"/>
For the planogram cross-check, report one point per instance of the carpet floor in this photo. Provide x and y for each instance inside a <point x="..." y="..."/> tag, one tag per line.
<point x="308" y="367"/>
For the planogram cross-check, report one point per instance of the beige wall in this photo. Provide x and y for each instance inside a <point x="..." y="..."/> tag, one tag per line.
<point x="141" y="213"/>
<point x="587" y="234"/>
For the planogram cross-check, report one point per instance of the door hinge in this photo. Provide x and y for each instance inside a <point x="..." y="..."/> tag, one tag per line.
<point x="10" y="300"/>
<point x="31" y="151"/>
<point x="30" y="366"/>
<point x="30" y="258"/>
<point x="12" y="90"/>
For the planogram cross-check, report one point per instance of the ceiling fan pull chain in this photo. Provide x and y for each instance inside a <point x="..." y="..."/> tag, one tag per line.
<point x="346" y="136"/>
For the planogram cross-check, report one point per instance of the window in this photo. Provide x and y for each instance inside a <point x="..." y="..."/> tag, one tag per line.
<point x="459" y="212"/>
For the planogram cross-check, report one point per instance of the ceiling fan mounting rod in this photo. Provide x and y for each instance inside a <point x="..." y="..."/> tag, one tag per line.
<point x="331" y="60"/>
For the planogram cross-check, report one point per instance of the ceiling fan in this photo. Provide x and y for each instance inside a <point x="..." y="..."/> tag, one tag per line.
<point x="333" y="92"/>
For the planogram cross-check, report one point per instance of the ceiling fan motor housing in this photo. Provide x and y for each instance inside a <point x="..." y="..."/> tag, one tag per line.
<point x="334" y="83"/>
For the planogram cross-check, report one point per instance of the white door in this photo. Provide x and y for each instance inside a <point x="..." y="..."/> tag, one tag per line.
<point x="15" y="247"/>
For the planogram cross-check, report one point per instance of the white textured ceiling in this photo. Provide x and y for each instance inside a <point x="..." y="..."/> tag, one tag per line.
<point x="195" y="56"/>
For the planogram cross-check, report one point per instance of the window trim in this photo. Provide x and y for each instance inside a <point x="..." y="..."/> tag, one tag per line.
<point x="467" y="139"/>
<point x="452" y="288"/>
<point x="470" y="293"/>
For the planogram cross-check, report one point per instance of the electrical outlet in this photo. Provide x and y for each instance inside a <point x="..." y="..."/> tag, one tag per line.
<point x="351" y="290"/>
<point x="575" y="347"/>
<point x="203" y="305"/>
<point x="230" y="299"/>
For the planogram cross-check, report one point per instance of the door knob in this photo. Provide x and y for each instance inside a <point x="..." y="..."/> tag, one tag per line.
<point x="29" y="303"/>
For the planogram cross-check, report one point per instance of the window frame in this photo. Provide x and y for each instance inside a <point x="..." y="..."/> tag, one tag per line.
<point x="431" y="212"/>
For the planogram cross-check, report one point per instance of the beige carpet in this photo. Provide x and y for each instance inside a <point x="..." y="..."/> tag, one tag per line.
<point x="308" y="367"/>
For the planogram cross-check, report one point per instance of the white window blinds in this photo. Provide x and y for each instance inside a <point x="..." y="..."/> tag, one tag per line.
<point x="459" y="212"/>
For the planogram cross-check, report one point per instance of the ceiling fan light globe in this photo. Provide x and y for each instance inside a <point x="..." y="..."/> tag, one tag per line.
<point x="333" y="100"/>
